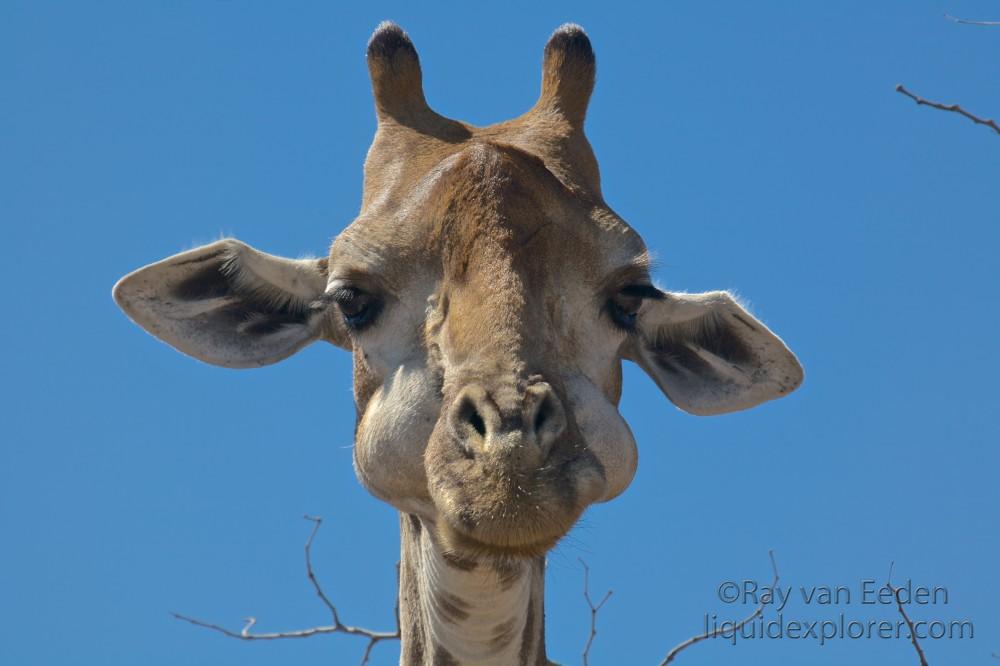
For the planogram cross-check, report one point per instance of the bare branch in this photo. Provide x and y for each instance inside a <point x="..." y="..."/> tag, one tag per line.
<point x="337" y="627"/>
<point x="244" y="634"/>
<point x="955" y="108"/>
<point x="593" y="610"/>
<point x="317" y="523"/>
<point x="968" y="22"/>
<point x="902" y="611"/>
<point x="718" y="630"/>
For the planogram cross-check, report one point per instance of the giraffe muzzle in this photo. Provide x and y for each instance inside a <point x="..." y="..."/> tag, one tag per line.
<point x="523" y="433"/>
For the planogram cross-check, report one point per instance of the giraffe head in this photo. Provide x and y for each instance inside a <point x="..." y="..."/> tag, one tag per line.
<point x="489" y="296"/>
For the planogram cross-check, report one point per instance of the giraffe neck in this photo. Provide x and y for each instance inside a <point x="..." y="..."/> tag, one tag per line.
<point x="463" y="611"/>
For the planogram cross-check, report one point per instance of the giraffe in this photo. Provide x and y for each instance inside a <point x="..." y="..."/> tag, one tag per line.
<point x="488" y="295"/>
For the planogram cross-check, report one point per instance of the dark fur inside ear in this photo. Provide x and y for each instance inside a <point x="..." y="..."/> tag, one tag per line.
<point x="208" y="282"/>
<point x="568" y="72"/>
<point x="253" y="307"/>
<point x="674" y="347"/>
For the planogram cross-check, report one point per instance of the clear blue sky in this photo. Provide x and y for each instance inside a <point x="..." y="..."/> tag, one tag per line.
<point x="758" y="147"/>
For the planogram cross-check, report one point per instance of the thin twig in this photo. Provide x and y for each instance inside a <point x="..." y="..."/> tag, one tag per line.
<point x="902" y="611"/>
<point x="593" y="610"/>
<point x="719" y="629"/>
<point x="317" y="523"/>
<point x="968" y="22"/>
<point x="244" y="634"/>
<point x="337" y="627"/>
<point x="955" y="108"/>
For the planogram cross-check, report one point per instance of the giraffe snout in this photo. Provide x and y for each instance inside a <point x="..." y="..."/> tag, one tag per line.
<point x="523" y="426"/>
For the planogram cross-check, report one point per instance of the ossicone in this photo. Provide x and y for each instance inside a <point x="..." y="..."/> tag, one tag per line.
<point x="395" y="72"/>
<point x="568" y="71"/>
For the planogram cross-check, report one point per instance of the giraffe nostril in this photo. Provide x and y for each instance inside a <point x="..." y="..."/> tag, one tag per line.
<point x="466" y="415"/>
<point x="548" y="421"/>
<point x="542" y="416"/>
<point x="477" y="421"/>
<point x="469" y="418"/>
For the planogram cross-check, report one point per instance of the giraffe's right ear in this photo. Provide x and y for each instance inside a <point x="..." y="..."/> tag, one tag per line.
<point x="230" y="305"/>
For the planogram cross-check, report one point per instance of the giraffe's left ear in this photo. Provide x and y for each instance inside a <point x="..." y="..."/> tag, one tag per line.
<point x="711" y="356"/>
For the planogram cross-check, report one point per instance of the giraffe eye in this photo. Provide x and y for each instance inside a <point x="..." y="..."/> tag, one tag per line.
<point x="358" y="308"/>
<point x="624" y="309"/>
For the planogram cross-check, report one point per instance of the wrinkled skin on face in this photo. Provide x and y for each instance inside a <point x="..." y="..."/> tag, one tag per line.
<point x="488" y="295"/>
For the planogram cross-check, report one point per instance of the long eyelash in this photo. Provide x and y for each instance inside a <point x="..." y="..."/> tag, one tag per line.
<point x="344" y="294"/>
<point x="339" y="295"/>
<point x="643" y="291"/>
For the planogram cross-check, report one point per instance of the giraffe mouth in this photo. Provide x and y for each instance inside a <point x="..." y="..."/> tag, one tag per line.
<point x="505" y="490"/>
<point x="500" y="543"/>
<point x="495" y="511"/>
